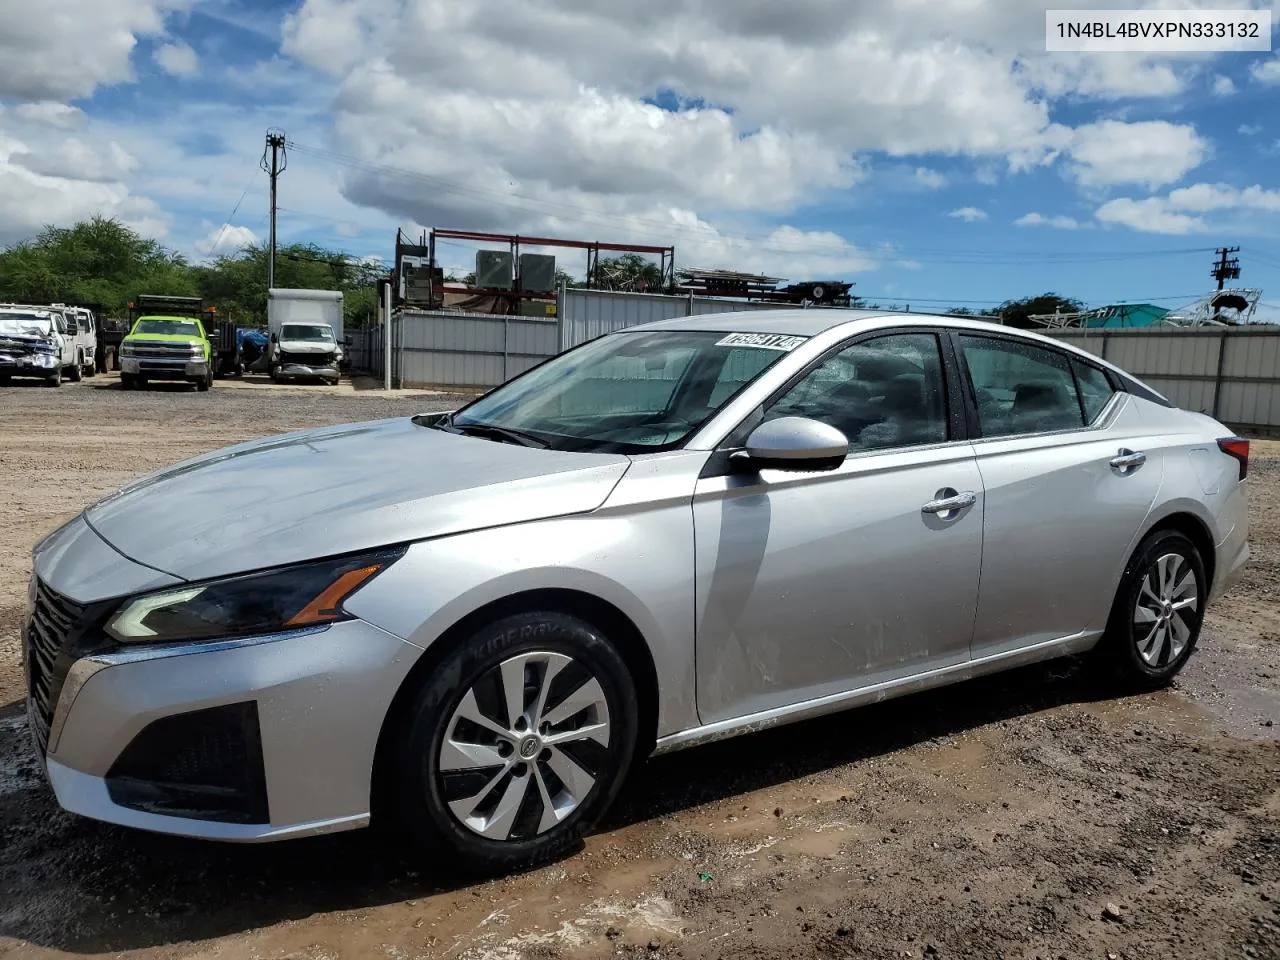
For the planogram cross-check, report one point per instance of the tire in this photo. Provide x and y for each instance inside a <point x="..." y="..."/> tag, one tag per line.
<point x="77" y="371"/>
<point x="90" y="369"/>
<point x="205" y="382"/>
<point x="54" y="379"/>
<point x="128" y="381"/>
<point x="1156" y="618"/>
<point x="511" y="826"/>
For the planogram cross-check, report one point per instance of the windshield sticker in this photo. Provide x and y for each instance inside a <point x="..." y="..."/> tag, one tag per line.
<point x="762" y="341"/>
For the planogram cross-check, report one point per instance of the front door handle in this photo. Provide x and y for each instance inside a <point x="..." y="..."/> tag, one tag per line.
<point x="951" y="504"/>
<point x="1128" y="459"/>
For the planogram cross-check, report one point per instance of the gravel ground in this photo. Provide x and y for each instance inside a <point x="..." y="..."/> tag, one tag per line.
<point x="1029" y="815"/>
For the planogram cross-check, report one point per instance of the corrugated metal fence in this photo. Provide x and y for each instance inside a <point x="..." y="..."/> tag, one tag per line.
<point x="587" y="314"/>
<point x="450" y="348"/>
<point x="1230" y="373"/>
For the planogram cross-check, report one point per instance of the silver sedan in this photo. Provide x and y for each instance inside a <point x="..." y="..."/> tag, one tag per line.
<point x="473" y="624"/>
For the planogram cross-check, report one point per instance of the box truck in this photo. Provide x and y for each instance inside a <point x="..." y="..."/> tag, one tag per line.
<point x="306" y="336"/>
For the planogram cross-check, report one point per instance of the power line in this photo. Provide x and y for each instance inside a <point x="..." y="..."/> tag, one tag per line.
<point x="244" y="193"/>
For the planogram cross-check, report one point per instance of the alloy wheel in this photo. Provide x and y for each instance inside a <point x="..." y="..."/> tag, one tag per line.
<point x="525" y="746"/>
<point x="1164" y="613"/>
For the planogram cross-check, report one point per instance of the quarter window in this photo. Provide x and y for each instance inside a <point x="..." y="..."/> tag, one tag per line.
<point x="880" y="393"/>
<point x="1020" y="387"/>
<point x="1095" y="389"/>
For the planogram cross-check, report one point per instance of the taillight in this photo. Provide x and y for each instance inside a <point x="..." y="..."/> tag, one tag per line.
<point x="1238" y="448"/>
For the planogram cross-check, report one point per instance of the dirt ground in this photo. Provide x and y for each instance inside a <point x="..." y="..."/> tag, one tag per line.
<point x="1031" y="815"/>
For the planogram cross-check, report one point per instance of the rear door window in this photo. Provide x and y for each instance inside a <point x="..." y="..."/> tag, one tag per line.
<point x="1020" y="387"/>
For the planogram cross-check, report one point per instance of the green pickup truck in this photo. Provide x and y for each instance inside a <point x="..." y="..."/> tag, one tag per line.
<point x="166" y="348"/>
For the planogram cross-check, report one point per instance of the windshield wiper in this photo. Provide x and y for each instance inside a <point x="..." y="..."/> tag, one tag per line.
<point x="500" y="433"/>
<point x="489" y="430"/>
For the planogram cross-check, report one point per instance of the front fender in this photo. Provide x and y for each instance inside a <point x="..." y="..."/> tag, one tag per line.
<point x="641" y="563"/>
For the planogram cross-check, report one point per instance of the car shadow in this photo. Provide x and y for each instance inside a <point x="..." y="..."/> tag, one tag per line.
<point x="20" y="381"/>
<point x="185" y="890"/>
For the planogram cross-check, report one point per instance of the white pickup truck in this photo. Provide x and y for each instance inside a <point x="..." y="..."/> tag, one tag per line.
<point x="82" y="329"/>
<point x="34" y="343"/>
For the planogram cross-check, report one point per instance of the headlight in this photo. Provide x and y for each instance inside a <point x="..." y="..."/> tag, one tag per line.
<point x="45" y="346"/>
<point x="126" y="349"/>
<point x="309" y="594"/>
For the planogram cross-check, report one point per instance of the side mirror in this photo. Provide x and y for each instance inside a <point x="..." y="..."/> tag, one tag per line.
<point x="794" y="443"/>
<point x="275" y="338"/>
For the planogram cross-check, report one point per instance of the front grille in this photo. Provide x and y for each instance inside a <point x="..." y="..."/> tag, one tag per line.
<point x="308" y="359"/>
<point x="48" y="636"/>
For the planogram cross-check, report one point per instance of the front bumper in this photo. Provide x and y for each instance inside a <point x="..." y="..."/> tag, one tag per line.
<point x="318" y="698"/>
<point x="328" y="371"/>
<point x="165" y="369"/>
<point x="28" y="364"/>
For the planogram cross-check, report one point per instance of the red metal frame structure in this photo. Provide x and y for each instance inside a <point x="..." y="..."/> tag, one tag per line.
<point x="666" y="255"/>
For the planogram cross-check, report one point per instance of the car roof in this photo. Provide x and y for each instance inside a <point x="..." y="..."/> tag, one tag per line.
<point x="815" y="321"/>
<point x="18" y="308"/>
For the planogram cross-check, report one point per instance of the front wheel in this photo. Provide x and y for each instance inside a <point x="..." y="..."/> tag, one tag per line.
<point x="54" y="379"/>
<point x="77" y="371"/>
<point x="205" y="382"/>
<point x="1159" y="609"/>
<point x="516" y="743"/>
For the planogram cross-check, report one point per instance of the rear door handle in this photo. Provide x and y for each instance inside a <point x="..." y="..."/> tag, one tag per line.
<point x="951" y="504"/>
<point x="1128" y="459"/>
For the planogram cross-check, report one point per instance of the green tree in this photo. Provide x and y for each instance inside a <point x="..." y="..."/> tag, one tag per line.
<point x="630" y="271"/>
<point x="1016" y="313"/>
<point x="96" y="261"/>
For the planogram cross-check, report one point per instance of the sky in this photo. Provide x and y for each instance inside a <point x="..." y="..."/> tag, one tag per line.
<point x="930" y="151"/>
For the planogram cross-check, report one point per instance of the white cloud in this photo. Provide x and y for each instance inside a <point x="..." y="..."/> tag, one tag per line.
<point x="225" y="240"/>
<point x="74" y="159"/>
<point x="1150" y="215"/>
<point x="1182" y="210"/>
<point x="537" y="112"/>
<point x="29" y="200"/>
<point x="1205" y="197"/>
<point x="60" y="49"/>
<point x="1249" y="129"/>
<point x="1152" y="153"/>
<point x="1266" y="71"/>
<point x="968" y="214"/>
<point x="60" y="115"/>
<point x="1223" y="86"/>
<point x="177" y="59"/>
<point x="930" y="179"/>
<point x="1039" y="220"/>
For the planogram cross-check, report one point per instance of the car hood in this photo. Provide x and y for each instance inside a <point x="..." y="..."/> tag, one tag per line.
<point x="339" y="489"/>
<point x="307" y="346"/>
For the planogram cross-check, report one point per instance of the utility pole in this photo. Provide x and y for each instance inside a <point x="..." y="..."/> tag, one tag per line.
<point x="274" y="161"/>
<point x="1227" y="267"/>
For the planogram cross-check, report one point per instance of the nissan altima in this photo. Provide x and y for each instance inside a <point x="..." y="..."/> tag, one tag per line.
<point x="471" y="625"/>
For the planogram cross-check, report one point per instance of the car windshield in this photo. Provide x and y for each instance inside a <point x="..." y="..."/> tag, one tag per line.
<point x="300" y="331"/>
<point x="626" y="392"/>
<point x="25" y="324"/>
<point x="182" y="328"/>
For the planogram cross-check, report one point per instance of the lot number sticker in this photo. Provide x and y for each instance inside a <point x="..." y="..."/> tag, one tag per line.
<point x="762" y="341"/>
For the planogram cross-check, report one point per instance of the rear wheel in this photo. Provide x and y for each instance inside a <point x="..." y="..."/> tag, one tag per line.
<point x="1159" y="609"/>
<point x="516" y="743"/>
